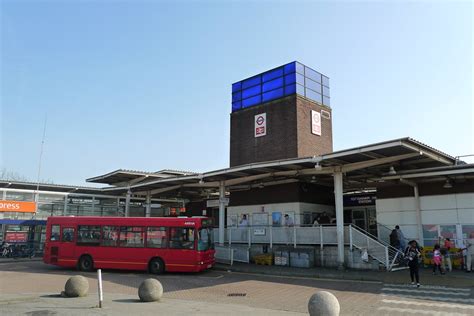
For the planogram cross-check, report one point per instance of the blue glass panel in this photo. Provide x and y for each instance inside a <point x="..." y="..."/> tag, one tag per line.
<point x="326" y="101"/>
<point x="291" y="78"/>
<point x="236" y="86"/>
<point x="289" y="68"/>
<point x="277" y="83"/>
<point x="313" y="85"/>
<point x="313" y="75"/>
<point x="236" y="96"/>
<point x="291" y="89"/>
<point x="251" y="82"/>
<point x="251" y="91"/>
<point x="236" y="106"/>
<point x="325" y="91"/>
<point x="271" y="95"/>
<point x="325" y="81"/>
<point x="299" y="68"/>
<point x="300" y="79"/>
<point x="272" y="74"/>
<point x="251" y="101"/>
<point x="300" y="89"/>
<point x="313" y="95"/>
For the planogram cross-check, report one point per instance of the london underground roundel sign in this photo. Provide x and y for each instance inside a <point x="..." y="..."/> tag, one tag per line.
<point x="260" y="127"/>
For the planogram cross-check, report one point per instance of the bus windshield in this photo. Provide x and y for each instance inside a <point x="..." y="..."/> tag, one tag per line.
<point x="205" y="241"/>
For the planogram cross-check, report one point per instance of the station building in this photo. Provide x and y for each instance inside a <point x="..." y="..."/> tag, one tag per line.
<point x="281" y="163"/>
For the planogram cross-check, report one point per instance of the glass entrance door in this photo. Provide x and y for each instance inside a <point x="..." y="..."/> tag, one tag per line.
<point x="359" y="218"/>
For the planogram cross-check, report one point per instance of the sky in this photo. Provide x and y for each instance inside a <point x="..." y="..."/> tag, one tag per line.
<point x="146" y="85"/>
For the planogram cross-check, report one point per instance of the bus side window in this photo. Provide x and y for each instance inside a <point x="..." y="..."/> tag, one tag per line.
<point x="55" y="229"/>
<point x="109" y="236"/>
<point x="156" y="237"/>
<point x="68" y="234"/>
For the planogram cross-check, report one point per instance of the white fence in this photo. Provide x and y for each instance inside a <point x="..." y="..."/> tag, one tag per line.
<point x="298" y="236"/>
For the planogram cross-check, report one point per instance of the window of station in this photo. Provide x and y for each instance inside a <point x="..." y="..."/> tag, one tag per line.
<point x="181" y="238"/>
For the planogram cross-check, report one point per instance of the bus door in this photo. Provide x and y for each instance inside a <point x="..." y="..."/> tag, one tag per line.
<point x="68" y="243"/>
<point x="52" y="251"/>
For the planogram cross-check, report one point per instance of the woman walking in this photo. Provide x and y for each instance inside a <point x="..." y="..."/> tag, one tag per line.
<point x="412" y="253"/>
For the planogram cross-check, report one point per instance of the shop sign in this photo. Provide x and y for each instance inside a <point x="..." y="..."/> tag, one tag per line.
<point x="359" y="200"/>
<point x="259" y="231"/>
<point x="17" y="206"/>
<point x="16" y="236"/>
<point x="215" y="203"/>
<point x="315" y="123"/>
<point x="260" y="125"/>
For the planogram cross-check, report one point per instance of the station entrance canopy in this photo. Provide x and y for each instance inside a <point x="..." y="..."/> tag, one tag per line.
<point x="362" y="168"/>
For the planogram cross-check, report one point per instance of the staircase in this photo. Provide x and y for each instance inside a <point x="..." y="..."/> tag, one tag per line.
<point x="376" y="248"/>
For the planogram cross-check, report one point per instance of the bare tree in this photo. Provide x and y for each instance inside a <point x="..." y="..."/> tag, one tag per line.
<point x="6" y="174"/>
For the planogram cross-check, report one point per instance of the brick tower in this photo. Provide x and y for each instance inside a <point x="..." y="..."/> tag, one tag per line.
<point x="279" y="114"/>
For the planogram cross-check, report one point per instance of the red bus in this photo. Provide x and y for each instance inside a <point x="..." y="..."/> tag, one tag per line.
<point x="156" y="244"/>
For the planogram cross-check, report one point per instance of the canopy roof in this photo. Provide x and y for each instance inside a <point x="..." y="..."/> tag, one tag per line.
<point x="363" y="168"/>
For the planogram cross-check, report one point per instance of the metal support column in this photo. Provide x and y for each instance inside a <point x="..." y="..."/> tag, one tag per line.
<point x="148" y="204"/>
<point x="66" y="200"/>
<point x="418" y="215"/>
<point x="221" y="213"/>
<point x="127" y="203"/>
<point x="338" y="189"/>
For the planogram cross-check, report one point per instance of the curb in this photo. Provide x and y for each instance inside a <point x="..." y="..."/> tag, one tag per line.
<point x="348" y="275"/>
<point x="11" y="260"/>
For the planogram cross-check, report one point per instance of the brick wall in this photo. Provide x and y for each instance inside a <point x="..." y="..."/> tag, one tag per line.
<point x="288" y="132"/>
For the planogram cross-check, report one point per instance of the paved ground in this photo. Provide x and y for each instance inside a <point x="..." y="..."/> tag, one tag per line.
<point x="30" y="288"/>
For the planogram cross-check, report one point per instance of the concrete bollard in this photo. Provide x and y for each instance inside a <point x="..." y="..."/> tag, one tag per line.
<point x="76" y="286"/>
<point x="323" y="304"/>
<point x="150" y="290"/>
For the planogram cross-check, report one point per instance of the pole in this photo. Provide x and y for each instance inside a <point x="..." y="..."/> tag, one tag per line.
<point x="99" y="278"/>
<point x="221" y="213"/>
<point x="36" y="197"/>
<point x="339" y="218"/>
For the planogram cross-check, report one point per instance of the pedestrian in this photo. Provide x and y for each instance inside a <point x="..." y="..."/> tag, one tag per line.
<point x="448" y="266"/>
<point x="412" y="253"/>
<point x="243" y="221"/>
<point x="315" y="222"/>
<point x="289" y="221"/>
<point x="401" y="238"/>
<point x="437" y="259"/>
<point x="469" y="254"/>
<point x="394" y="241"/>
<point x="324" y="218"/>
<point x="243" y="227"/>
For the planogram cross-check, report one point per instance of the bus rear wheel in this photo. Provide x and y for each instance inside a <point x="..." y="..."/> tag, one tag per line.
<point x="156" y="266"/>
<point x="86" y="264"/>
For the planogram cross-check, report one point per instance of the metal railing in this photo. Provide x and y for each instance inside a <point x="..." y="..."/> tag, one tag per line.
<point x="296" y="236"/>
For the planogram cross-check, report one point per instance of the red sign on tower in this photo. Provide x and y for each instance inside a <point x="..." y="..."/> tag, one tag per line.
<point x="260" y="125"/>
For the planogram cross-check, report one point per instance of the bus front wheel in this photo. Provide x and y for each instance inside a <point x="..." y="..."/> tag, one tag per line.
<point x="86" y="264"/>
<point x="156" y="266"/>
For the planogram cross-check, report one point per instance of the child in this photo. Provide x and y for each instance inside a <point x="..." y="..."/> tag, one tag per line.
<point x="437" y="259"/>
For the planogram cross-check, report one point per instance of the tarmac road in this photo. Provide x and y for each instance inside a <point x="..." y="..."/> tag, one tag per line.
<point x="29" y="288"/>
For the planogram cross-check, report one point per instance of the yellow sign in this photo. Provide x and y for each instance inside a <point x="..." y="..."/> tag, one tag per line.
<point x="17" y="206"/>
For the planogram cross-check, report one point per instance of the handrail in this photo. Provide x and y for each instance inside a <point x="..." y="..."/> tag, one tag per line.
<point x="376" y="238"/>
